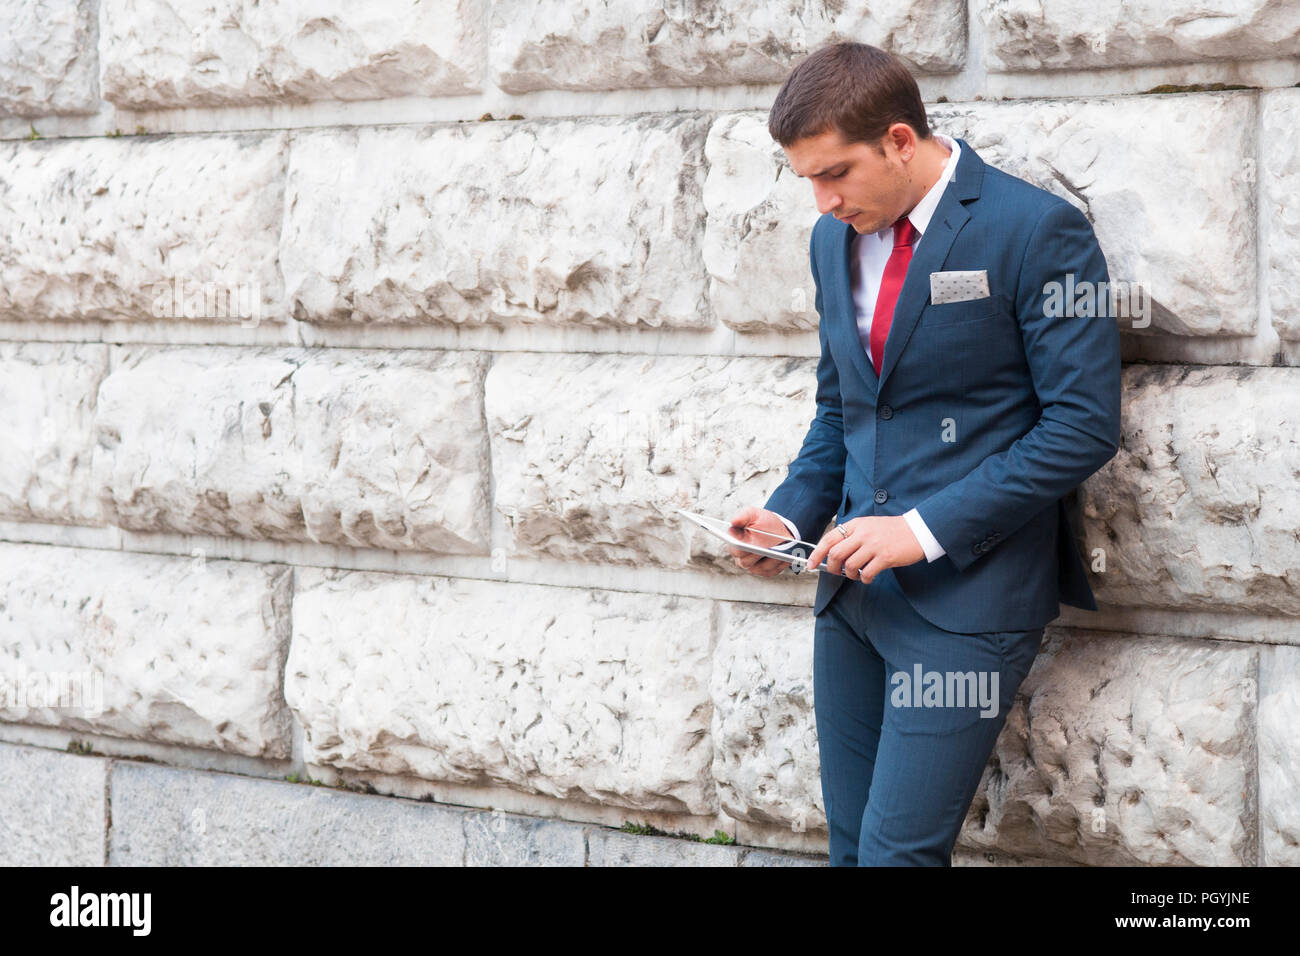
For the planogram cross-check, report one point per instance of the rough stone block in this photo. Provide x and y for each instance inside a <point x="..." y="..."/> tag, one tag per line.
<point x="760" y="220"/>
<point x="553" y="44"/>
<point x="47" y="409"/>
<point x="178" y="228"/>
<point x="48" y="61"/>
<point x="1195" y="262"/>
<point x="596" y="468"/>
<point x="1086" y="34"/>
<point x="1198" y="507"/>
<point x="591" y="222"/>
<point x="766" y="759"/>
<point x="599" y="696"/>
<point x="160" y="54"/>
<point x="1279" y="770"/>
<point x="323" y="445"/>
<point x="1123" y="751"/>
<point x="1279" y="193"/>
<point x="148" y="647"/>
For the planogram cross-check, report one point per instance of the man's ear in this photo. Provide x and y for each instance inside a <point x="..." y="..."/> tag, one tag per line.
<point x="903" y="138"/>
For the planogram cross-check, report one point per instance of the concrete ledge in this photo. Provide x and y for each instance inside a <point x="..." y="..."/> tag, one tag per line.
<point x="163" y="816"/>
<point x="496" y="838"/>
<point x="53" y="808"/>
<point x="168" y="817"/>
<point x="614" y="848"/>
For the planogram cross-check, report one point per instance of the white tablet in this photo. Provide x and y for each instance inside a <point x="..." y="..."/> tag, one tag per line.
<point x="720" y="529"/>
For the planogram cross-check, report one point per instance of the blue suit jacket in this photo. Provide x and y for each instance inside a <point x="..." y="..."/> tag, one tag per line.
<point x="986" y="413"/>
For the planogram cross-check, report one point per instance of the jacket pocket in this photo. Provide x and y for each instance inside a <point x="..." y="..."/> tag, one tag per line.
<point x="959" y="313"/>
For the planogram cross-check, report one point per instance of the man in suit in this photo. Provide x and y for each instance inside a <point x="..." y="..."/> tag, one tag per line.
<point x="954" y="413"/>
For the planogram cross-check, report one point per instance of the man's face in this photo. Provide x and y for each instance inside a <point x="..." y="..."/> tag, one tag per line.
<point x="853" y="181"/>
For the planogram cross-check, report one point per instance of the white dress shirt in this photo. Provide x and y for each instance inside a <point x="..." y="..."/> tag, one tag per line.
<point x="871" y="251"/>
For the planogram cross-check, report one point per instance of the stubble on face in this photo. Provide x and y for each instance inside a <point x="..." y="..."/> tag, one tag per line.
<point x="894" y="179"/>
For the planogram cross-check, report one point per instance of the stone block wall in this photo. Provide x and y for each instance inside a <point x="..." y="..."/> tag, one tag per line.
<point x="355" y="358"/>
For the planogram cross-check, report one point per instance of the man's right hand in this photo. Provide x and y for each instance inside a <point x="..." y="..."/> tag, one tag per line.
<point x="744" y="526"/>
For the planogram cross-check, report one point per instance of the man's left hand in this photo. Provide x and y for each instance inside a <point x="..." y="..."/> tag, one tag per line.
<point x="873" y="544"/>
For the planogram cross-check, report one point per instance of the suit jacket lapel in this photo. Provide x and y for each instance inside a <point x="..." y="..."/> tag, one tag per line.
<point x="930" y="252"/>
<point x="842" y="246"/>
<point x="928" y="256"/>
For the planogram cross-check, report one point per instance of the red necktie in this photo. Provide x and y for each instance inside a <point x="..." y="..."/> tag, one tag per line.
<point x="891" y="283"/>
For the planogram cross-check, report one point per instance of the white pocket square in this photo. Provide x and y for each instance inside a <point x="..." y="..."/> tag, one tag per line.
<point x="958" y="286"/>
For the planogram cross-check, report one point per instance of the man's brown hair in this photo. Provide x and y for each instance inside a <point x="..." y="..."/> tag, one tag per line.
<point x="859" y="89"/>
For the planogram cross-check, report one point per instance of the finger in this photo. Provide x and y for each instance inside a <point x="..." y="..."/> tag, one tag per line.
<point x="874" y="567"/>
<point x="833" y="562"/>
<point x="859" y="559"/>
<point x="829" y="544"/>
<point x="838" y="552"/>
<point x="762" y="566"/>
<point x="819" y="552"/>
<point x="826" y="547"/>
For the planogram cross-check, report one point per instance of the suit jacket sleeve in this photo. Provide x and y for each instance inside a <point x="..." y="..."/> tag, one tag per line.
<point x="810" y="493"/>
<point x="1074" y="362"/>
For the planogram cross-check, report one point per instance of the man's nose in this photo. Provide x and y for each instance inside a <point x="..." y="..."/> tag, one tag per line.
<point x="826" y="199"/>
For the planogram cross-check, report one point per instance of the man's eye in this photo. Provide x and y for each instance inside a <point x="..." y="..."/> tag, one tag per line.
<point x="840" y="175"/>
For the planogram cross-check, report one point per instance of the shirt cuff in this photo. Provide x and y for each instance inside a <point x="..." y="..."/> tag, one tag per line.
<point x="933" y="550"/>
<point x="794" y="533"/>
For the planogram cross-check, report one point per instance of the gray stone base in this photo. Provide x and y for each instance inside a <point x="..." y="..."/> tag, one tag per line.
<point x="71" y="810"/>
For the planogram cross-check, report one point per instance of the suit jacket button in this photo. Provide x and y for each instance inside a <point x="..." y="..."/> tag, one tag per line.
<point x="881" y="496"/>
<point x="886" y="412"/>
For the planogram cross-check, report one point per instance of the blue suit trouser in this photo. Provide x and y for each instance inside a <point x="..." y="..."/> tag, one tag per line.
<point x="902" y="756"/>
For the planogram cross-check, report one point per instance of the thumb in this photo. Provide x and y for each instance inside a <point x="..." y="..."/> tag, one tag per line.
<point x="743" y="517"/>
